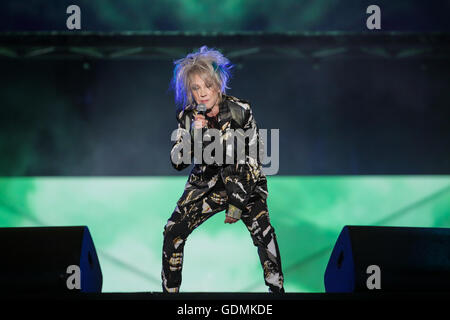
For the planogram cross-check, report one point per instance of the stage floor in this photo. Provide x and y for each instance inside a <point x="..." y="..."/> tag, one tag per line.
<point x="233" y="296"/>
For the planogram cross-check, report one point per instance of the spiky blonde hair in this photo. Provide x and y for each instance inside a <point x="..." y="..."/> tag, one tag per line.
<point x="209" y="64"/>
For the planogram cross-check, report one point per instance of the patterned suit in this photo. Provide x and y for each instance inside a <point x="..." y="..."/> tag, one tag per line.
<point x="239" y="188"/>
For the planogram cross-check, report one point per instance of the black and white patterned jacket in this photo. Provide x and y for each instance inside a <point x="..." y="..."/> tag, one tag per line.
<point x="241" y="180"/>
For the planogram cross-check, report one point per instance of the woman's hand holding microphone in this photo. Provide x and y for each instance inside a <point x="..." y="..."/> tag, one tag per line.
<point x="200" y="121"/>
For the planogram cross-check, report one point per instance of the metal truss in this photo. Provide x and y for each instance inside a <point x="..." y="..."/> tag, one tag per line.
<point x="315" y="46"/>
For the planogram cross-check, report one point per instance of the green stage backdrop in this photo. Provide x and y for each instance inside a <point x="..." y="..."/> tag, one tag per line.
<point x="126" y="216"/>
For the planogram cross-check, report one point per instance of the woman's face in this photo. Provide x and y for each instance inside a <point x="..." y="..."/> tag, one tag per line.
<point x="206" y="93"/>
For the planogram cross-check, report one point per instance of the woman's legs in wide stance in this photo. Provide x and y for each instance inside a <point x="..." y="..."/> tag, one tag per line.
<point x="181" y="224"/>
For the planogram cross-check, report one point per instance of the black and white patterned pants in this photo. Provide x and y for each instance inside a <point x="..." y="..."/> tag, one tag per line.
<point x="184" y="220"/>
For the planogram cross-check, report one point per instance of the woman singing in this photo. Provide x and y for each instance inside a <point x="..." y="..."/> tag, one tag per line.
<point x="239" y="188"/>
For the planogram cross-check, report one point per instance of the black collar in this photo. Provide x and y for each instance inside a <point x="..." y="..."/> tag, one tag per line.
<point x="224" y="111"/>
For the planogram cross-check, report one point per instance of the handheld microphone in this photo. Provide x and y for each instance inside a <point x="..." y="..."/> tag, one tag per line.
<point x="201" y="109"/>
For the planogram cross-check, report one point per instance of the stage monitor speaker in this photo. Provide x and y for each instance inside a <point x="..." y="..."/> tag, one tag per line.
<point x="391" y="259"/>
<point x="48" y="260"/>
